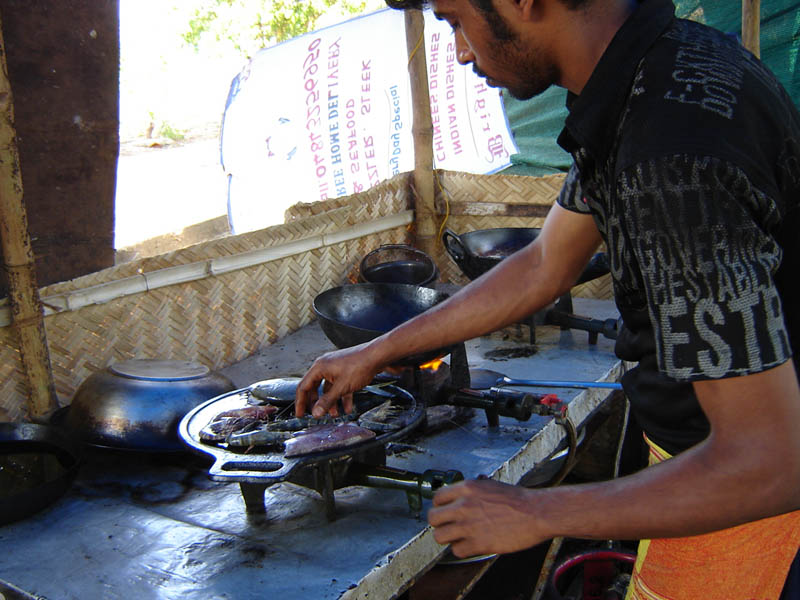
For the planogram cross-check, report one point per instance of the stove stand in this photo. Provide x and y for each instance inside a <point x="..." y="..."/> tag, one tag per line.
<point x="366" y="469"/>
<point x="561" y="315"/>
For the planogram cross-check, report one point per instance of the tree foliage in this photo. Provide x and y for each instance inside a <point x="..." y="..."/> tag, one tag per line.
<point x="249" y="25"/>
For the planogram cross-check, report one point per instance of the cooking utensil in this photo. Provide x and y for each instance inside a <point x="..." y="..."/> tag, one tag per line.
<point x="137" y="404"/>
<point x="482" y="379"/>
<point x="475" y="252"/>
<point x="267" y="464"/>
<point x="397" y="263"/>
<point x="353" y="314"/>
<point x="38" y="464"/>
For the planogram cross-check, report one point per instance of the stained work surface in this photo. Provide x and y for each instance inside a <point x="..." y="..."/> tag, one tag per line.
<point x="155" y="526"/>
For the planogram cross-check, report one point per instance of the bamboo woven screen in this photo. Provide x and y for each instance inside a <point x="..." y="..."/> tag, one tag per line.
<point x="216" y="320"/>
<point x="221" y="319"/>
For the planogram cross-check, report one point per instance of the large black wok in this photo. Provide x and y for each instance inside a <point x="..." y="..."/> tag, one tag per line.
<point x="475" y="252"/>
<point x="353" y="314"/>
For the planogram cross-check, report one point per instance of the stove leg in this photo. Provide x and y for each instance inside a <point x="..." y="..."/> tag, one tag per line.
<point x="253" y="494"/>
<point x="325" y="474"/>
<point x="564" y="304"/>
<point x="531" y="323"/>
<point x="459" y="367"/>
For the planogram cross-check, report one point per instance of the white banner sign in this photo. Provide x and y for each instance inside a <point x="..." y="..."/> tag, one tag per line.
<point x="329" y="114"/>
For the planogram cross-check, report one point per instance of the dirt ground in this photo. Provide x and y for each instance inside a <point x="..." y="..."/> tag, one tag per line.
<point x="165" y="186"/>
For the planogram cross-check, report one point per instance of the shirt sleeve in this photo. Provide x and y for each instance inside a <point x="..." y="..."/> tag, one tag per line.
<point x="695" y="232"/>
<point x="571" y="195"/>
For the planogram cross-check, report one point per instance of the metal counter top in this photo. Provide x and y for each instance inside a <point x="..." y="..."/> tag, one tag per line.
<point x="155" y="527"/>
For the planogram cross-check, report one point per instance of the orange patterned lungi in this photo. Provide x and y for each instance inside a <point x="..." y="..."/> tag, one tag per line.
<point x="748" y="562"/>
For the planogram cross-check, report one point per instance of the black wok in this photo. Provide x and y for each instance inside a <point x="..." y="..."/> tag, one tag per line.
<point x="475" y="252"/>
<point x="397" y="263"/>
<point x="38" y="464"/>
<point x="353" y="314"/>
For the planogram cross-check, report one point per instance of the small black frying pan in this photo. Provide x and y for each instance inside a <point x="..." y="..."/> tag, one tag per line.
<point x="38" y="464"/>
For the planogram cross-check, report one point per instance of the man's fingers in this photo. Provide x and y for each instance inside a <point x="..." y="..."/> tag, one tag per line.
<point x="307" y="392"/>
<point x="446" y="534"/>
<point x="347" y="403"/>
<point x="464" y="549"/>
<point x="461" y="545"/>
<point x="448" y="493"/>
<point x="328" y="402"/>
<point x="323" y="406"/>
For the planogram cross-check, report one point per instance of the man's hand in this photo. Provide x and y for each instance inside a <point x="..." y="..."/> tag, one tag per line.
<point x="485" y="517"/>
<point x="343" y="372"/>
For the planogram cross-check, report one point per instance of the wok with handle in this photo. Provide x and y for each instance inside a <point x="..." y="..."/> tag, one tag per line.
<point x="475" y="252"/>
<point x="353" y="314"/>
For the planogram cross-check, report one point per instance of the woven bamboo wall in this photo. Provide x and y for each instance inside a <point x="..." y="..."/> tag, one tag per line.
<point x="222" y="319"/>
<point x="217" y="320"/>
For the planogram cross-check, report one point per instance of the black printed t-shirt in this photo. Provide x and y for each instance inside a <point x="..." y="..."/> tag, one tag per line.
<point x="687" y="154"/>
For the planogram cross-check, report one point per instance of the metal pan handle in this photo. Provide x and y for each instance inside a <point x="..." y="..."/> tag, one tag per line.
<point x="454" y="246"/>
<point x="243" y="466"/>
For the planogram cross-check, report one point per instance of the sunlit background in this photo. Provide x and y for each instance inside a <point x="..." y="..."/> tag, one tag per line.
<point x="175" y="72"/>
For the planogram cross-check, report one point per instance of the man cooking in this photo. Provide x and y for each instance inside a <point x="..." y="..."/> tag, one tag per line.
<point x="687" y="165"/>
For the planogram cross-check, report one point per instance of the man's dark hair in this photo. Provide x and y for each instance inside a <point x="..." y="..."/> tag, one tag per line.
<point x="486" y="6"/>
<point x="498" y="26"/>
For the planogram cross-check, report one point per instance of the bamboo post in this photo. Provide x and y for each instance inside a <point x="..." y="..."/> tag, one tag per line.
<point x="26" y="306"/>
<point x="751" y="25"/>
<point x="422" y="129"/>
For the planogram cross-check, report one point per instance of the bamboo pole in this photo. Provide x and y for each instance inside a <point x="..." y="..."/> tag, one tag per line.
<point x="751" y="25"/>
<point x="26" y="306"/>
<point x="422" y="129"/>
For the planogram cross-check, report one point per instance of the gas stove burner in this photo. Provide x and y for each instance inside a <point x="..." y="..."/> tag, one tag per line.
<point x="440" y="383"/>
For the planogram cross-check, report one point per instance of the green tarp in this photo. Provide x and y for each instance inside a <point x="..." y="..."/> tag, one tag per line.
<point x="537" y="122"/>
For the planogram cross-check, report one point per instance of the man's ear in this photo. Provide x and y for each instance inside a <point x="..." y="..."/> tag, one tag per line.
<point x="527" y="8"/>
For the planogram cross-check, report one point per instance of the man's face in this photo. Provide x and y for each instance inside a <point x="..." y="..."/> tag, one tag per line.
<point x="497" y="51"/>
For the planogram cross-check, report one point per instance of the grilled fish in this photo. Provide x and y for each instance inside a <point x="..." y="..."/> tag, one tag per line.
<point x="386" y="417"/>
<point x="237" y="419"/>
<point x="320" y="438"/>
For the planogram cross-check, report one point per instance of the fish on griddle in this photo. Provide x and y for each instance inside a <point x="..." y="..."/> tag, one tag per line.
<point x="237" y="419"/>
<point x="279" y="391"/>
<point x="321" y="438"/>
<point x="385" y="417"/>
<point x="278" y="431"/>
<point x="282" y="391"/>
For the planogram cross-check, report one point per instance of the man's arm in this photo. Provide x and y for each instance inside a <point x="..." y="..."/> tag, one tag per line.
<point x="748" y="468"/>
<point x="516" y="288"/>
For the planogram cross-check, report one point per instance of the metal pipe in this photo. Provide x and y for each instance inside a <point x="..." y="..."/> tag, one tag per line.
<point x="611" y="385"/>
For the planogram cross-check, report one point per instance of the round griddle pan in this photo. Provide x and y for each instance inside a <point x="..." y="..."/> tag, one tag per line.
<point x="271" y="466"/>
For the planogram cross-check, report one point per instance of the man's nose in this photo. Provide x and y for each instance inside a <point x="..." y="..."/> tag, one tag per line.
<point x="463" y="51"/>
